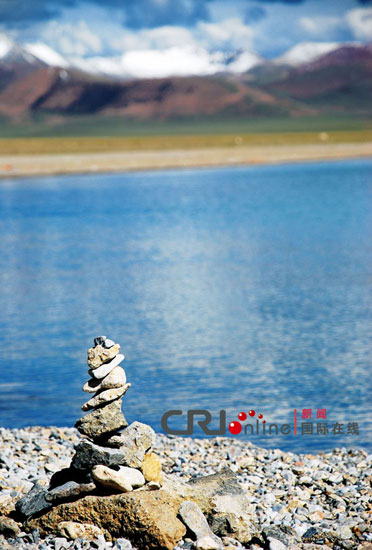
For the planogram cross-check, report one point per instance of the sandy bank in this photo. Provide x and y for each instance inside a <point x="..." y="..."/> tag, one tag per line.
<point x="35" y="165"/>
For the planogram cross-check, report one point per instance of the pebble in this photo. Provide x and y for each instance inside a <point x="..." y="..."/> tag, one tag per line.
<point x="346" y="522"/>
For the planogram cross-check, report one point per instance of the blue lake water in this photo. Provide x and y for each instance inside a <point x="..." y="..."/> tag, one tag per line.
<point x="233" y="289"/>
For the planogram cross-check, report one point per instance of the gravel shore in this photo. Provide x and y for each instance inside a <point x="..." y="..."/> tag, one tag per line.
<point x="302" y="501"/>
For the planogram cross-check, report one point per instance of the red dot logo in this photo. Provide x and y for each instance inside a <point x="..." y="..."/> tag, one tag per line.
<point x="235" y="428"/>
<point x="260" y="416"/>
<point x="252" y="413"/>
<point x="242" y="416"/>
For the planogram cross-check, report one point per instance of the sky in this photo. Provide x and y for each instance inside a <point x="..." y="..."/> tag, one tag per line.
<point x="181" y="32"/>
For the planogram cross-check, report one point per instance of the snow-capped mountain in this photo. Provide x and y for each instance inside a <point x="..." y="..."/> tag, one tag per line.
<point x="175" y="61"/>
<point x="305" y="52"/>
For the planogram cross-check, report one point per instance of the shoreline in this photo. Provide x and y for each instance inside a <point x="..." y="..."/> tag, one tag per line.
<point x="110" y="162"/>
<point x="305" y="499"/>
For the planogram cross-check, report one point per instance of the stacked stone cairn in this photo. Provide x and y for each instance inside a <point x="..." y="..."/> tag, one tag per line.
<point x="116" y="460"/>
<point x="112" y="457"/>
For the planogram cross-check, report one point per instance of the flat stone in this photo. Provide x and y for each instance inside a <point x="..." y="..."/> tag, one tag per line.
<point x="151" y="468"/>
<point x="194" y="519"/>
<point x="99" y="355"/>
<point x="115" y="379"/>
<point x="135" y="442"/>
<point x="88" y="455"/>
<point x="147" y="518"/>
<point x="74" y="530"/>
<point x="124" y="479"/>
<point x="33" y="502"/>
<point x="105" y="396"/>
<point x="106" y="368"/>
<point x="71" y="489"/>
<point x="102" y="422"/>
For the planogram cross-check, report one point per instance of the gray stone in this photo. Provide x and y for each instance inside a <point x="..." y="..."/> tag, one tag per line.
<point x="33" y="502"/>
<point x="124" y="479"/>
<point x="88" y="455"/>
<point x="135" y="442"/>
<point x="68" y="490"/>
<point x="106" y="368"/>
<point x="222" y="501"/>
<point x="104" y="397"/>
<point x="194" y="519"/>
<point x="102" y="422"/>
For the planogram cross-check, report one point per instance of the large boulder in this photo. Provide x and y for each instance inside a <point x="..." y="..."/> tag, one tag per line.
<point x="147" y="518"/>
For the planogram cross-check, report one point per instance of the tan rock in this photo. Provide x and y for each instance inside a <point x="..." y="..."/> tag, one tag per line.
<point x="124" y="479"/>
<point x="147" y="518"/>
<point x="105" y="397"/>
<point x="115" y="379"/>
<point x="73" y="530"/>
<point x="135" y="442"/>
<point x="99" y="355"/>
<point x="151" y="468"/>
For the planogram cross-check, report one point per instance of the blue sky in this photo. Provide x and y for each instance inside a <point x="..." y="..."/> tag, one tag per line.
<point x="95" y="28"/>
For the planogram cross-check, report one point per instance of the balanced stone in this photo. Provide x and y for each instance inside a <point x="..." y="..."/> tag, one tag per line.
<point x="88" y="454"/>
<point x="102" y="422"/>
<point x="106" y="368"/>
<point x="124" y="479"/>
<point x="99" y="355"/>
<point x="135" y="442"/>
<point x="115" y="379"/>
<point x="105" y="397"/>
<point x="151" y="468"/>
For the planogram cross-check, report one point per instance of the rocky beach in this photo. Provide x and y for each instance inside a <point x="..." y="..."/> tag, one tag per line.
<point x="106" y="484"/>
<point x="296" y="501"/>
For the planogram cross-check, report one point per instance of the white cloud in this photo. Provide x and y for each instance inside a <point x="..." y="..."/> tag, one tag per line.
<point x="228" y="34"/>
<point x="319" y="26"/>
<point x="158" y="38"/>
<point x="172" y="61"/>
<point x="70" y="39"/>
<point x="360" y="23"/>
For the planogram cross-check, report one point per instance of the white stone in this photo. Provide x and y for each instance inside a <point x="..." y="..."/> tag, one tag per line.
<point x="115" y="379"/>
<point x="106" y="368"/>
<point x="105" y="397"/>
<point x="125" y="479"/>
<point x="207" y="543"/>
<point x="275" y="544"/>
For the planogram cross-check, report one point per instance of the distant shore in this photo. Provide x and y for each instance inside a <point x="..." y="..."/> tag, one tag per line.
<point x="90" y="162"/>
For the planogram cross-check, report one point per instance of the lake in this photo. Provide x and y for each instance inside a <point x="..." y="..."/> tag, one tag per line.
<point x="228" y="289"/>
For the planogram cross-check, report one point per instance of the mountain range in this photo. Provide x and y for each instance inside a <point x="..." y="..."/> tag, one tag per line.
<point x="307" y="80"/>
